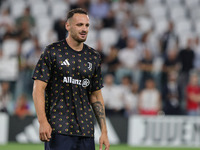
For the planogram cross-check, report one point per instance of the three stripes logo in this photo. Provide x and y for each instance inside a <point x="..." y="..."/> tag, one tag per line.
<point x="65" y="63"/>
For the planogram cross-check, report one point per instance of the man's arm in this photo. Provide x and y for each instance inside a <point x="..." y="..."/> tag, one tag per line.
<point x="194" y="97"/>
<point x="39" y="102"/>
<point x="97" y="103"/>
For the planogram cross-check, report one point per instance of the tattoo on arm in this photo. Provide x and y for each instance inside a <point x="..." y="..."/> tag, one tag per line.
<point x="99" y="113"/>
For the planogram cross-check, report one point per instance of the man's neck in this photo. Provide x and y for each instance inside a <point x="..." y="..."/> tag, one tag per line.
<point x="74" y="44"/>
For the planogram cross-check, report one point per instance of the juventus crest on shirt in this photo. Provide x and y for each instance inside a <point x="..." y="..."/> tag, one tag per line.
<point x="71" y="76"/>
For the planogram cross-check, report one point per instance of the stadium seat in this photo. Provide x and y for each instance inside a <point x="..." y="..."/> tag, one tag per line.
<point x="195" y="13"/>
<point x="183" y="26"/>
<point x="151" y="3"/>
<point x="158" y="11"/>
<point x="59" y="9"/>
<point x="46" y="36"/>
<point x="17" y="8"/>
<point x="53" y="1"/>
<point x="10" y="47"/>
<point x="92" y="38"/>
<point x="44" y="22"/>
<point x="161" y="26"/>
<point x="183" y="37"/>
<point x="108" y="37"/>
<point x="26" y="47"/>
<point x="197" y="26"/>
<point x="177" y="13"/>
<point x="172" y="3"/>
<point x="39" y="9"/>
<point x="94" y="22"/>
<point x="145" y="23"/>
<point x="9" y="69"/>
<point x="31" y="2"/>
<point x="191" y="3"/>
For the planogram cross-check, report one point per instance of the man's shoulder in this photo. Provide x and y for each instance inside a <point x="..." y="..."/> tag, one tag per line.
<point x="54" y="45"/>
<point x="92" y="50"/>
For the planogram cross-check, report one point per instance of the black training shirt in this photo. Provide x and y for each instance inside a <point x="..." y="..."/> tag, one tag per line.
<point x="71" y="76"/>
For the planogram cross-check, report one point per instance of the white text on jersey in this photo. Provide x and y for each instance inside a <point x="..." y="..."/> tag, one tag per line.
<point x="71" y="80"/>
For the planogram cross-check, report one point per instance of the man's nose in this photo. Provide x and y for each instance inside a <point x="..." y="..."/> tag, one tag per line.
<point x="85" y="28"/>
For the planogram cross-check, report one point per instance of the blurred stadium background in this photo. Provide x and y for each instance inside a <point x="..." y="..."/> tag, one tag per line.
<point x="150" y="63"/>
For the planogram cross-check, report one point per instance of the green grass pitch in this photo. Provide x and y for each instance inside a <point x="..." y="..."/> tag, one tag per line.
<point x="16" y="146"/>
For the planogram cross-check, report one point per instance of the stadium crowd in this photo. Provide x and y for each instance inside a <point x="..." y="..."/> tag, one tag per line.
<point x="150" y="52"/>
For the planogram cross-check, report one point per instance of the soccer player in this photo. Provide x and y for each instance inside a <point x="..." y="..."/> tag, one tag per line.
<point x="67" y="87"/>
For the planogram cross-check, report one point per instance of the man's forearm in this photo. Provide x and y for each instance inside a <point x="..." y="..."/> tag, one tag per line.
<point x="99" y="112"/>
<point x="39" y="102"/>
<point x="45" y="129"/>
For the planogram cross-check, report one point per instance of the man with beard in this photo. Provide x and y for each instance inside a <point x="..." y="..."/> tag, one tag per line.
<point x="67" y="86"/>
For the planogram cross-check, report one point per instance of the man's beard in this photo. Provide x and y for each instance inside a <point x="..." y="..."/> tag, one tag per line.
<point x="76" y="38"/>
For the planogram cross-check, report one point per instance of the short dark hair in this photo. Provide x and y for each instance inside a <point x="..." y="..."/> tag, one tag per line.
<point x="76" y="11"/>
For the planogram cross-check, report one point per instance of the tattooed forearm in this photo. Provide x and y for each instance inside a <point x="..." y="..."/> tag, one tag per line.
<point x="99" y="113"/>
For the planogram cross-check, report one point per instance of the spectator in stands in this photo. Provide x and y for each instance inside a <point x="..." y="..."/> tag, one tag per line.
<point x="34" y="54"/>
<point x="113" y="97"/>
<point x="121" y="10"/>
<point x="27" y="63"/>
<point x="131" y="100"/>
<point x="6" y="21"/>
<point x="31" y="60"/>
<point x="99" y="48"/>
<point x="122" y="40"/>
<point x="24" y="32"/>
<point x="59" y="28"/>
<point x="10" y="33"/>
<point x="148" y="42"/>
<point x="99" y="9"/>
<point x="186" y="58"/>
<point x="109" y="20"/>
<point x="5" y="96"/>
<point x="85" y="4"/>
<point x="193" y="95"/>
<point x="120" y="6"/>
<point x="153" y="42"/>
<point x="169" y="39"/>
<point x="112" y="60"/>
<point x="149" y="99"/>
<point x="197" y="54"/>
<point x="140" y="9"/>
<point x="171" y="64"/>
<point x="22" y="108"/>
<point x="171" y="95"/>
<point x="135" y="31"/>
<point x="129" y="58"/>
<point x="25" y="25"/>
<point x="126" y="83"/>
<point x="146" y="67"/>
<point x="26" y="17"/>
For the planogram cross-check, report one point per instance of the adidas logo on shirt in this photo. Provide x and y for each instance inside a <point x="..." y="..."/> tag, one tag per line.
<point x="65" y="63"/>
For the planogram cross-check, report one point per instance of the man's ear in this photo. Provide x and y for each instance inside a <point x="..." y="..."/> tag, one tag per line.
<point x="67" y="26"/>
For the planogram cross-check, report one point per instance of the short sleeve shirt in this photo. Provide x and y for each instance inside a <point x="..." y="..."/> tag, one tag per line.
<point x="71" y="77"/>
